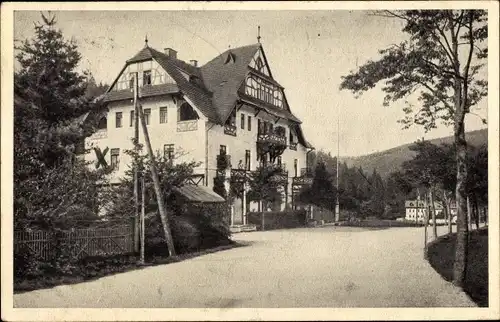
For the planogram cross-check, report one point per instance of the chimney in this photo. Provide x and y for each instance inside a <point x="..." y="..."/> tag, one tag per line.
<point x="171" y="53"/>
<point x="194" y="62"/>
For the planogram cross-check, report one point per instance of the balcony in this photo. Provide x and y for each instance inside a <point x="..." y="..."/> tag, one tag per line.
<point x="306" y="178"/>
<point x="306" y="172"/>
<point x="99" y="134"/>
<point x="239" y="175"/>
<point x="272" y="139"/>
<point x="186" y="126"/>
<point x="230" y="129"/>
<point x="293" y="146"/>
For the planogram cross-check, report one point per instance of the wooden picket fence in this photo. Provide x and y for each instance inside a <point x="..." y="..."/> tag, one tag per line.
<point x="79" y="242"/>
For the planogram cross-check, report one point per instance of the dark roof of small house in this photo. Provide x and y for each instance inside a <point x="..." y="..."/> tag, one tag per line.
<point x="198" y="194"/>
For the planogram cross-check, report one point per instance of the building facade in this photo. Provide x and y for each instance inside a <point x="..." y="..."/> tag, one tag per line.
<point x="229" y="108"/>
<point x="415" y="211"/>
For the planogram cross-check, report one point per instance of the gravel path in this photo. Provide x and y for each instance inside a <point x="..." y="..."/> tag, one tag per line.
<point x="310" y="267"/>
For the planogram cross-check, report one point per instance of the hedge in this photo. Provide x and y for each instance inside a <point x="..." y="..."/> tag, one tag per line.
<point x="278" y="219"/>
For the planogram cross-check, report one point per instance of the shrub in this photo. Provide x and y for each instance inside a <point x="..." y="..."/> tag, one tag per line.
<point x="278" y="219"/>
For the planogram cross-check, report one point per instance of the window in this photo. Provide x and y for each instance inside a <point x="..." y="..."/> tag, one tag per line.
<point x="247" y="160"/>
<point x="168" y="152"/>
<point x="147" y="114"/>
<point x="119" y="116"/>
<point x="131" y="80"/>
<point x="115" y="153"/>
<point x="132" y="118"/>
<point x="222" y="150"/>
<point x="259" y="65"/>
<point x="163" y="114"/>
<point x="103" y="123"/>
<point x="186" y="113"/>
<point x="259" y="126"/>
<point x="242" y="121"/>
<point x="291" y="137"/>
<point x="295" y="166"/>
<point x="146" y="78"/>
<point x="278" y="159"/>
<point x="249" y="123"/>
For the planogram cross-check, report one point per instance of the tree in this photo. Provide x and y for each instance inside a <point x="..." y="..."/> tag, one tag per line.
<point x="49" y="98"/>
<point x="321" y="193"/>
<point x="440" y="62"/>
<point x="262" y="187"/>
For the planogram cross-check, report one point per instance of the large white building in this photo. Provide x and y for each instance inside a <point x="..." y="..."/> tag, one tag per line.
<point x="232" y="105"/>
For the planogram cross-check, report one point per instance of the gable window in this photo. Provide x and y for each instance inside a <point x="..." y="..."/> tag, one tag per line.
<point x="147" y="115"/>
<point x="146" y="78"/>
<point x="103" y="123"/>
<point x="186" y="113"/>
<point x="115" y="153"/>
<point x="247" y="160"/>
<point x="259" y="65"/>
<point x="132" y="118"/>
<point x="249" y="123"/>
<point x="131" y="80"/>
<point x="163" y="114"/>
<point x="168" y="152"/>
<point x="242" y="121"/>
<point x="118" y="120"/>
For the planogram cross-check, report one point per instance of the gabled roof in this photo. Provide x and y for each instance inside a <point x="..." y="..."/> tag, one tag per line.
<point x="224" y="80"/>
<point x="213" y="88"/>
<point x="196" y="92"/>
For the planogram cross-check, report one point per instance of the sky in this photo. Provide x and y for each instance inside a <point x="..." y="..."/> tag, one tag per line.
<point x="308" y="53"/>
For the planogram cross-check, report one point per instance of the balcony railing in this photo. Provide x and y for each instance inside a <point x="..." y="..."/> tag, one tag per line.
<point x="293" y="146"/>
<point x="306" y="172"/>
<point x="300" y="181"/>
<point x="230" y="129"/>
<point x="185" y="126"/>
<point x="239" y="175"/>
<point x="272" y="138"/>
<point x="99" y="134"/>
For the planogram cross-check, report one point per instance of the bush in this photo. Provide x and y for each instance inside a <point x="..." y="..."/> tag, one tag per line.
<point x="278" y="219"/>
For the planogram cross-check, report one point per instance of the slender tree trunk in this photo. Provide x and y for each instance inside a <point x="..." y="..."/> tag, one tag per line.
<point x="447" y="203"/>
<point x="159" y="195"/>
<point x="476" y="212"/>
<point x="434" y="225"/>
<point x="426" y="222"/>
<point x="459" y="268"/>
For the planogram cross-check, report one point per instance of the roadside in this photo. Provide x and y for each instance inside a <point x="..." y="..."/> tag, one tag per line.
<point x="441" y="257"/>
<point x="99" y="267"/>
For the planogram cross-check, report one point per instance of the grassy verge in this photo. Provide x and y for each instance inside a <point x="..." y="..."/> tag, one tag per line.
<point x="94" y="268"/>
<point x="380" y="223"/>
<point x="441" y="256"/>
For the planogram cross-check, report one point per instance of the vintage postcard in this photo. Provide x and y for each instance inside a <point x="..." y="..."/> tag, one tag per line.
<point x="250" y="161"/>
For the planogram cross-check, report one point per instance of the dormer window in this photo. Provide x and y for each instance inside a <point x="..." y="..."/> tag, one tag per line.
<point x="229" y="58"/>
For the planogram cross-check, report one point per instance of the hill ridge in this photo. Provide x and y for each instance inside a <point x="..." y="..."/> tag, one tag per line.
<point x="390" y="160"/>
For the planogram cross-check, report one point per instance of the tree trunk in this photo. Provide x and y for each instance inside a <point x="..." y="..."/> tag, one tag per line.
<point x="447" y="215"/>
<point x="434" y="225"/>
<point x="476" y="212"/>
<point x="447" y="203"/>
<point x="459" y="268"/>
<point x="426" y="222"/>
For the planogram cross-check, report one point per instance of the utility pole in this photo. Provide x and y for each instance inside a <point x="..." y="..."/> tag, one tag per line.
<point x="337" y="205"/>
<point x="156" y="182"/>
<point x="136" y="171"/>
<point x="143" y="211"/>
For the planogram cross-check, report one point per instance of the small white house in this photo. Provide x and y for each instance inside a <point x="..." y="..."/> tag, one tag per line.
<point x="415" y="210"/>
